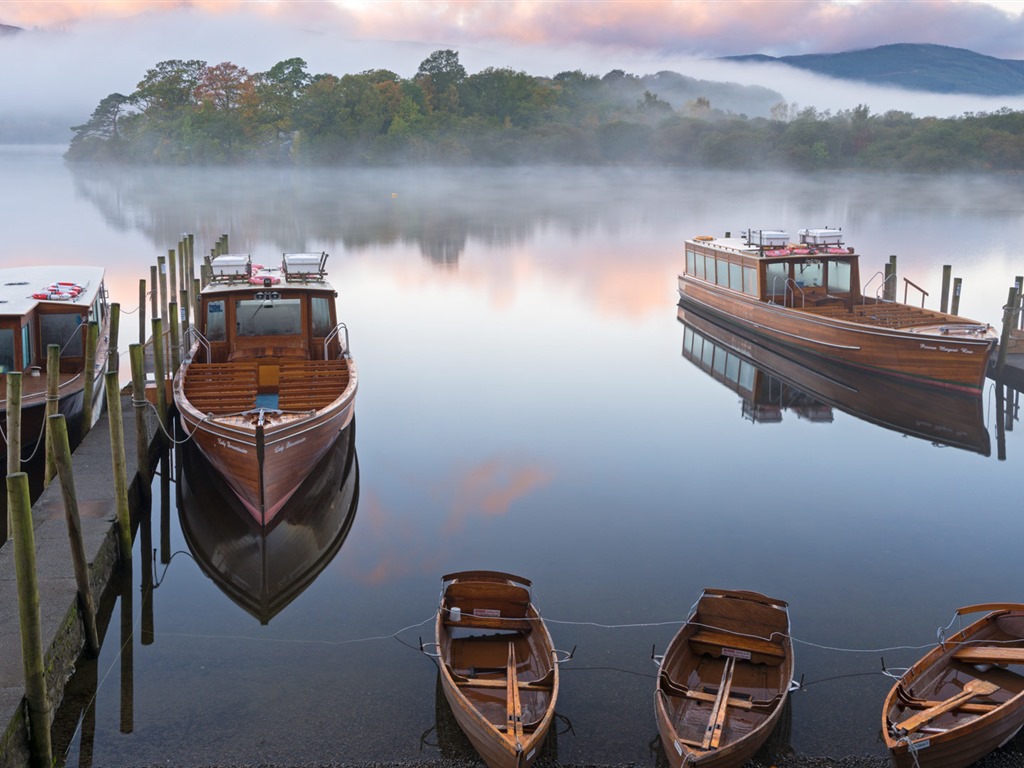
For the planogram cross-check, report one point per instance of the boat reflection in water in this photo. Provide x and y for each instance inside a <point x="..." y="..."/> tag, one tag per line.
<point x="265" y="569"/>
<point x="771" y="382"/>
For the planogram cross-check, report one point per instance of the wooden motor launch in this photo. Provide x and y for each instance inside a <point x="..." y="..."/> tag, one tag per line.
<point x="806" y="296"/>
<point x="268" y="383"/>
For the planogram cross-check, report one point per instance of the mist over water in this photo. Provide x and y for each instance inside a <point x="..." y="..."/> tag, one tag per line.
<point x="525" y="404"/>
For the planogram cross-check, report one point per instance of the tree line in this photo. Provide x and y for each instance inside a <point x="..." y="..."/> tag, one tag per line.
<point x="190" y="112"/>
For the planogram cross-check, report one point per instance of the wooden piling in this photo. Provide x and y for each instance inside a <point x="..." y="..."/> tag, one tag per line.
<point x="115" y="331"/>
<point x="52" y="404"/>
<point x="136" y="356"/>
<point x="142" y="311"/>
<point x="1019" y="282"/>
<point x="172" y="276"/>
<point x="154" y="297"/>
<point x="955" y="308"/>
<point x="1010" y="311"/>
<point x="31" y="624"/>
<point x="57" y="429"/>
<point x="161" y="276"/>
<point x="161" y="382"/>
<point x="13" y="439"/>
<point x="92" y="335"/>
<point x="175" y="340"/>
<point x="119" y="466"/>
<point x="947" y="271"/>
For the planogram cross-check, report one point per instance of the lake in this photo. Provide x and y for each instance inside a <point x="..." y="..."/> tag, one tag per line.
<point x="530" y="401"/>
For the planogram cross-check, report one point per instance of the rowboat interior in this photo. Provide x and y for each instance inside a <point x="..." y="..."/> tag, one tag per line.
<point x="497" y="653"/>
<point x="727" y="675"/>
<point x="978" y="674"/>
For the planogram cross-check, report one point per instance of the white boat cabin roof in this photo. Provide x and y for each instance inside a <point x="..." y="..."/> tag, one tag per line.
<point x="769" y="244"/>
<point x="23" y="288"/>
<point x="235" y="271"/>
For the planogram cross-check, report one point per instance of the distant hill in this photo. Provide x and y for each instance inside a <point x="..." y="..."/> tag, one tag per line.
<point x="919" y="67"/>
<point x="7" y="29"/>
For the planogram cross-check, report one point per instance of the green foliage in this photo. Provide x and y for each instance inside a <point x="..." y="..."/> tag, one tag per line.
<point x="185" y="112"/>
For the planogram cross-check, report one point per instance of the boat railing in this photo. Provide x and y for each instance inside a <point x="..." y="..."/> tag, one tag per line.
<point x="906" y="286"/>
<point x="789" y="291"/>
<point x="340" y="332"/>
<point x="879" y="297"/>
<point x="193" y="336"/>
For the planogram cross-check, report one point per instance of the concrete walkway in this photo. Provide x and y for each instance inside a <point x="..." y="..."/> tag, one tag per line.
<point x="58" y="593"/>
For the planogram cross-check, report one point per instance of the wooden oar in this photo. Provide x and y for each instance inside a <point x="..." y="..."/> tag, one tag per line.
<point x="972" y="689"/>
<point x="514" y="709"/>
<point x="713" y="733"/>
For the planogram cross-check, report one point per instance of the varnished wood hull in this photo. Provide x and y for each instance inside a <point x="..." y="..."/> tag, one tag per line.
<point x="951" y="362"/>
<point x="694" y="670"/>
<point x="965" y="735"/>
<point x="943" y="416"/>
<point x="481" y="710"/>
<point x="264" y="474"/>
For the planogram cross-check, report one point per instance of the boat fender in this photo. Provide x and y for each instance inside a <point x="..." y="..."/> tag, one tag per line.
<point x="455" y="613"/>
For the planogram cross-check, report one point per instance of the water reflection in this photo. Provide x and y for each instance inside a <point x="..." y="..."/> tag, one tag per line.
<point x="771" y="383"/>
<point x="264" y="569"/>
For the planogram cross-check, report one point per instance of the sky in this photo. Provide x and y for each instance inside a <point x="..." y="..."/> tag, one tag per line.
<point x="75" y="52"/>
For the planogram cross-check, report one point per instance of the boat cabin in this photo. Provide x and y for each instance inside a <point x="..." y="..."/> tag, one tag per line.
<point x="248" y="312"/>
<point x="40" y="306"/>
<point x="764" y="264"/>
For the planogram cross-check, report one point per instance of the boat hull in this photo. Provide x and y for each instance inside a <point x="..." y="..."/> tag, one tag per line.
<point x="949" y="362"/>
<point x="697" y="666"/>
<point x="964" y="735"/>
<point x="481" y="710"/>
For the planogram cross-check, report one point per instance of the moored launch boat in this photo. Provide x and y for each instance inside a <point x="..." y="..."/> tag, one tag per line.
<point x="268" y="384"/>
<point x="962" y="699"/>
<point x="44" y="305"/>
<point x="724" y="679"/>
<point x="806" y="296"/>
<point x="498" y="666"/>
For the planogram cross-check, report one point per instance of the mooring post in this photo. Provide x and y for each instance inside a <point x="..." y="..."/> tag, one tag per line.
<point x="1019" y="282"/>
<point x="161" y="276"/>
<point x="136" y="354"/>
<point x="165" y="504"/>
<point x="142" y="311"/>
<point x="172" y="277"/>
<point x="13" y="439"/>
<point x="1009" y="322"/>
<point x="186" y="315"/>
<point x="52" y="404"/>
<point x="955" y="309"/>
<point x="31" y="624"/>
<point x="161" y="383"/>
<point x="154" y="295"/>
<point x="175" y="340"/>
<point x="92" y="336"/>
<point x="113" y="359"/>
<point x="947" y="271"/>
<point x="57" y="428"/>
<point x="119" y="465"/>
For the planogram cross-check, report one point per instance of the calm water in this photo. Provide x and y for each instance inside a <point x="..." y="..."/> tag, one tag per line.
<point x="527" y="403"/>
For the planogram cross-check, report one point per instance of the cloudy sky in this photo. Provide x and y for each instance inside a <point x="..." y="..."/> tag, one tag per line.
<point x="77" y="51"/>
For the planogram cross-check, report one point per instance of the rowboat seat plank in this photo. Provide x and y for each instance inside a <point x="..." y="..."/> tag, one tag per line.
<point x="989" y="654"/>
<point x="717" y="643"/>
<point x="490" y="622"/>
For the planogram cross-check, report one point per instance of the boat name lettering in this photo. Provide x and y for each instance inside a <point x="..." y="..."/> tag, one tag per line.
<point x="941" y="348"/>
<point x="288" y="444"/>
<point x="922" y="744"/>
<point x="736" y="653"/>
<point x="231" y="446"/>
<point x="491" y="613"/>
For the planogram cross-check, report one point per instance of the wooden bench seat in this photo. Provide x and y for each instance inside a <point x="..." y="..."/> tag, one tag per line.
<point x="311" y="384"/>
<point x="221" y="387"/>
<point x="469" y="621"/>
<point x="989" y="654"/>
<point x="717" y="643"/>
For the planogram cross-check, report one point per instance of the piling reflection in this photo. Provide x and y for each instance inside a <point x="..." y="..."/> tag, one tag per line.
<point x="264" y="569"/>
<point x="772" y="381"/>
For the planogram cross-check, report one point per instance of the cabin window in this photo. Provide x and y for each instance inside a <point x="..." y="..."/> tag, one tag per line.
<point x="722" y="273"/>
<point x="750" y="281"/>
<point x="691" y="257"/>
<point x="732" y="368"/>
<point x="809" y="274"/>
<point x="709" y="268"/>
<point x="736" y="277"/>
<point x="320" y="307"/>
<point x="7" y="350"/>
<point x="698" y="266"/>
<point x="62" y="330"/>
<point x="746" y="377"/>
<point x="839" y="276"/>
<point x="707" y="354"/>
<point x="268" y="317"/>
<point x="26" y="345"/>
<point x="777" y="274"/>
<point x="215" y="321"/>
<point x="721" y="360"/>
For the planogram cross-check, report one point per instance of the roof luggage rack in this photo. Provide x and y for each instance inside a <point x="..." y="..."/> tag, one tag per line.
<point x="304" y="266"/>
<point x="229" y="267"/>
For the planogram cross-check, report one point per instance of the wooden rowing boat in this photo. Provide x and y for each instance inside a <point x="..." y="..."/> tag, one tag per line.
<point x="962" y="699"/>
<point x="806" y="296"/>
<point x="724" y="679"/>
<point x="268" y="384"/>
<point x="41" y="306"/>
<point x="771" y="380"/>
<point x="498" y="667"/>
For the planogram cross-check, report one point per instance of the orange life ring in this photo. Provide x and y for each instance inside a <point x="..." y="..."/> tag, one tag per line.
<point x="704" y="238"/>
<point x="52" y="296"/>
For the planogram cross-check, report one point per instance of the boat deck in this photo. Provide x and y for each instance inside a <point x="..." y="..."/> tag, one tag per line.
<point x="881" y="314"/>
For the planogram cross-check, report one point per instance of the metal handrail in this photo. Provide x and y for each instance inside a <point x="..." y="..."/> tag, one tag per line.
<point x="193" y="335"/>
<point x="339" y="329"/>
<point x="803" y="296"/>
<point x="878" y="297"/>
<point x="906" y="285"/>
